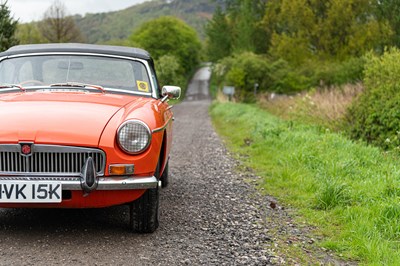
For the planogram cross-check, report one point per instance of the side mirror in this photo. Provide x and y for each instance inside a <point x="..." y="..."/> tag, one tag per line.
<point x="171" y="92"/>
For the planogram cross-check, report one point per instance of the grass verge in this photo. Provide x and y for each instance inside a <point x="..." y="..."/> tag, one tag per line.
<point x="350" y="191"/>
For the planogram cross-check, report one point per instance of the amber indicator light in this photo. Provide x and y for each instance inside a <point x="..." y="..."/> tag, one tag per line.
<point x="121" y="169"/>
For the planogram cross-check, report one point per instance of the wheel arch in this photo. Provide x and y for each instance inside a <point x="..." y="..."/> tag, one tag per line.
<point x="163" y="152"/>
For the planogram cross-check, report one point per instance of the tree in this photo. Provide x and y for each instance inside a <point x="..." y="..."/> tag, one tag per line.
<point x="333" y="29"/>
<point x="57" y="27"/>
<point x="354" y="34"/>
<point x="169" y="36"/>
<point x="237" y="29"/>
<point x="169" y="71"/>
<point x="291" y="25"/>
<point x="219" y="39"/>
<point x="245" y="17"/>
<point x="29" y="33"/>
<point x="388" y="11"/>
<point x="8" y="27"/>
<point x="244" y="26"/>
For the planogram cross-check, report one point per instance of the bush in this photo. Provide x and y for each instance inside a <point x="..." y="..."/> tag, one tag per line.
<point x="246" y="69"/>
<point x="243" y="71"/>
<point x="279" y="76"/>
<point x="288" y="80"/>
<point x="333" y="73"/>
<point x="316" y="73"/>
<point x="375" y="115"/>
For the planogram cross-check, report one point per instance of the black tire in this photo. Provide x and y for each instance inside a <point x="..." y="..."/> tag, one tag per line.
<point x="144" y="212"/>
<point x="164" y="177"/>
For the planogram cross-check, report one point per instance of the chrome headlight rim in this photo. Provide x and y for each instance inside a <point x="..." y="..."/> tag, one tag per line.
<point x="137" y="122"/>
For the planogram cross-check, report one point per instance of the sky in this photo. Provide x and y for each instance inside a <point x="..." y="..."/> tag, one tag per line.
<point x="33" y="10"/>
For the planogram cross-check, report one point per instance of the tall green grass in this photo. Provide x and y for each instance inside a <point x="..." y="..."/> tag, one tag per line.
<point x="350" y="191"/>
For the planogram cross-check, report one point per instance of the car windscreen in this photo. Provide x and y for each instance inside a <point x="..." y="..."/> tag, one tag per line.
<point x="44" y="70"/>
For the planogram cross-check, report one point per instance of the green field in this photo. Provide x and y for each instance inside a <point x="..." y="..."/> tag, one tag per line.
<point x="348" y="190"/>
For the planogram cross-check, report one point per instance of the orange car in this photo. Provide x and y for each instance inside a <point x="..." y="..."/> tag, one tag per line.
<point x="84" y="126"/>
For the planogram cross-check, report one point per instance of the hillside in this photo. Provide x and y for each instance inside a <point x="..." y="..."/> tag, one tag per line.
<point x="103" y="27"/>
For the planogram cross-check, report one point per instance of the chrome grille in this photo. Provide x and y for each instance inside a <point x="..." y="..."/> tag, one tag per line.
<point x="48" y="160"/>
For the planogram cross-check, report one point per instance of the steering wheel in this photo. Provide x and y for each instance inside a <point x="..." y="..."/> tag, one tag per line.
<point x="31" y="81"/>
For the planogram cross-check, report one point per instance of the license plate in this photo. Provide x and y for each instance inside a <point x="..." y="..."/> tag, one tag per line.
<point x="30" y="192"/>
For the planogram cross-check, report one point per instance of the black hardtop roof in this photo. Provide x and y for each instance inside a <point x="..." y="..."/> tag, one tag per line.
<point x="77" y="48"/>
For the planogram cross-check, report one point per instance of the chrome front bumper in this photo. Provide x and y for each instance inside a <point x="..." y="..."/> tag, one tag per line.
<point x="104" y="183"/>
<point x="109" y="183"/>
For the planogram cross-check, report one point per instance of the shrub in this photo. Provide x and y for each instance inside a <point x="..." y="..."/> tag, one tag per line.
<point x="243" y="71"/>
<point x="279" y="76"/>
<point x="334" y="73"/>
<point x="375" y="115"/>
<point x="247" y="69"/>
<point x="316" y="73"/>
<point x="290" y="81"/>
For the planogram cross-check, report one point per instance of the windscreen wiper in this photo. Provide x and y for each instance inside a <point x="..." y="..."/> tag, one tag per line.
<point x="12" y="86"/>
<point x="78" y="85"/>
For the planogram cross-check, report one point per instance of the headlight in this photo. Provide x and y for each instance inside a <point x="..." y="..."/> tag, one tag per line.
<point x="134" y="136"/>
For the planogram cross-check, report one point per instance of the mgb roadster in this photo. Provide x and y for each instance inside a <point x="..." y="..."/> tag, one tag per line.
<point x="84" y="126"/>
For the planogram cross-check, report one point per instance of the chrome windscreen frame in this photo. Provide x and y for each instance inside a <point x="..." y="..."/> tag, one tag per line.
<point x="152" y="94"/>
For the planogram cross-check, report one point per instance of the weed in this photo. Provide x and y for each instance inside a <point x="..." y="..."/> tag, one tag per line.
<point x="332" y="194"/>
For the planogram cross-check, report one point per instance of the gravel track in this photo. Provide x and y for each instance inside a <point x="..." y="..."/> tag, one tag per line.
<point x="209" y="214"/>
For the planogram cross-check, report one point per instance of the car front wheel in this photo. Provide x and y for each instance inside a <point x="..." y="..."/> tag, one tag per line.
<point x="144" y="212"/>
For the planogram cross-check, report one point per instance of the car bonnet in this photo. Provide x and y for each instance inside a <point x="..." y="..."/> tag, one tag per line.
<point x="59" y="118"/>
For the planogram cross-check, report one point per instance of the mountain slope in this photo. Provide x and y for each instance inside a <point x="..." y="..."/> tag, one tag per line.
<point x="103" y="27"/>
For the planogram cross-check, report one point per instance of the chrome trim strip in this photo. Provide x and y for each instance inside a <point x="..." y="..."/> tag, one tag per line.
<point x="164" y="98"/>
<point x="10" y="89"/>
<point x="105" y="183"/>
<point x="163" y="127"/>
<point x="34" y="175"/>
<point x="128" y="92"/>
<point x="38" y="178"/>
<point x="48" y="148"/>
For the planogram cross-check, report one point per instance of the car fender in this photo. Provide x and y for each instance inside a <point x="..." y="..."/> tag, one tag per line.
<point x="149" y="113"/>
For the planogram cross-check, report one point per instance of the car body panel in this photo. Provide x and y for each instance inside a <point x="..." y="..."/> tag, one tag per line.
<point x="96" y="199"/>
<point x="75" y="118"/>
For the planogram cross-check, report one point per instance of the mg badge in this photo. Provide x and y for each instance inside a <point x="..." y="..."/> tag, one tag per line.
<point x="26" y="149"/>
